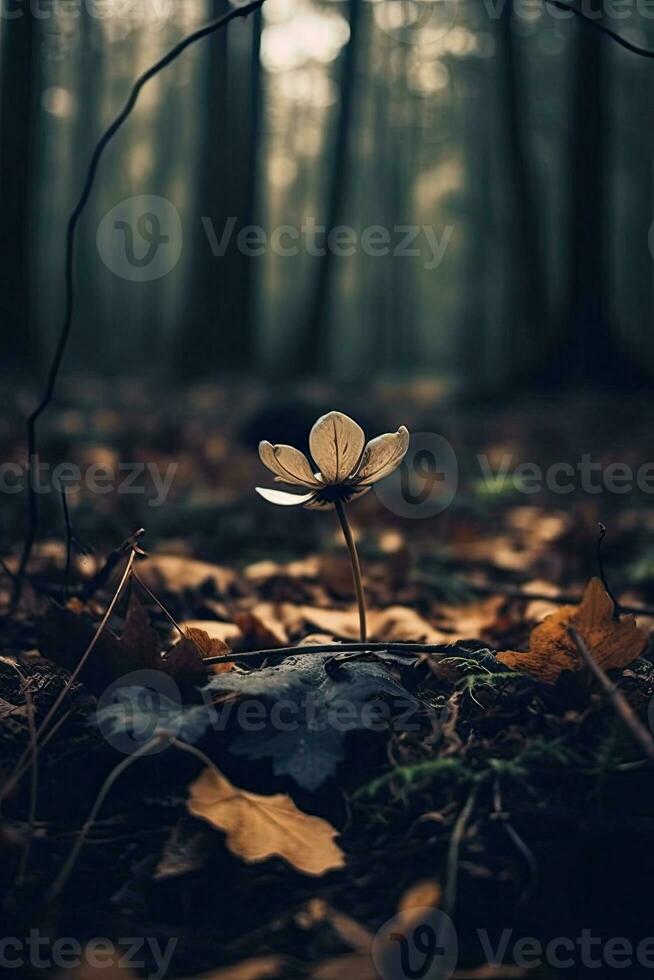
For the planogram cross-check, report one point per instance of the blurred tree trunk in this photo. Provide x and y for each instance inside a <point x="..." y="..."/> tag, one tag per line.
<point x="587" y="351"/>
<point x="17" y="120"/>
<point x="588" y="266"/>
<point x="590" y="352"/>
<point x="473" y="342"/>
<point x="312" y="345"/>
<point x="526" y="268"/>
<point x="87" y="350"/>
<point x="220" y="328"/>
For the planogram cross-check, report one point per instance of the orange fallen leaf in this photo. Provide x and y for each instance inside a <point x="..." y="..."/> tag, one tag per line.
<point x="255" y="969"/>
<point x="229" y="633"/>
<point x="263" y="626"/>
<point x="613" y="643"/>
<point x="422" y="894"/>
<point x="260" y="827"/>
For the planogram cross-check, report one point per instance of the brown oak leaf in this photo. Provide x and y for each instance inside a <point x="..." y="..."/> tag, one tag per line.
<point x="613" y="643"/>
<point x="260" y="827"/>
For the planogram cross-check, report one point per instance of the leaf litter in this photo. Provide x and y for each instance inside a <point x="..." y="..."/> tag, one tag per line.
<point x="274" y="803"/>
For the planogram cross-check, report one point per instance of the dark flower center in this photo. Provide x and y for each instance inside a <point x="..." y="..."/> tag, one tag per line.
<point x="338" y="492"/>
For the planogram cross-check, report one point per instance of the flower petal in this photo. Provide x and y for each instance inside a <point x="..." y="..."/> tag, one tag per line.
<point x="288" y="464"/>
<point x="283" y="498"/>
<point x="336" y="443"/>
<point x="383" y="455"/>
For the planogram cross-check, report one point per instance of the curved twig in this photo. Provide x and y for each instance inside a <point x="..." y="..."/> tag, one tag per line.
<point x="618" y="38"/>
<point x="71" y="233"/>
<point x="401" y="648"/>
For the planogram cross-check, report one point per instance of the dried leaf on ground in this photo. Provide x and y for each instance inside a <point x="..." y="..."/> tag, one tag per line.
<point x="357" y="965"/>
<point x="264" y="626"/>
<point x="613" y="643"/>
<point x="258" y="968"/>
<point x="349" y="931"/>
<point x="65" y="633"/>
<point x="176" y="573"/>
<point x="323" y="705"/>
<point x="185" y="660"/>
<point x="227" y="633"/>
<point x="106" y="966"/>
<point x="422" y="894"/>
<point x="260" y="827"/>
<point x="473" y="619"/>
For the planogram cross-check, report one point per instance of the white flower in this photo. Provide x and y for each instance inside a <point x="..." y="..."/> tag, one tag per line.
<point x="347" y="466"/>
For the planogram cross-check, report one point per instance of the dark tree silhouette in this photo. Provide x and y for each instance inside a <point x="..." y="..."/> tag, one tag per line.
<point x="313" y="330"/>
<point x="17" y="122"/>
<point x="526" y="267"/>
<point x="221" y="322"/>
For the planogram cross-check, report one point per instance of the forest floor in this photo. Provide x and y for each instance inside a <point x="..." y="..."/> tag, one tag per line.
<point x="464" y="782"/>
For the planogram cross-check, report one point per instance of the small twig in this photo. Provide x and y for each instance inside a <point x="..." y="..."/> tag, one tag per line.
<point x="151" y="594"/>
<point x="6" y="569"/>
<point x="600" y="564"/>
<point x="517" y="841"/>
<point x="356" y="567"/>
<point x="400" y="648"/>
<point x="34" y="783"/>
<point x="28" y="754"/>
<point x="102" y="576"/>
<point x="63" y="876"/>
<point x="115" y="773"/>
<point x="69" y="544"/>
<point x="622" y="41"/>
<point x="449" y="900"/>
<point x="617" y="700"/>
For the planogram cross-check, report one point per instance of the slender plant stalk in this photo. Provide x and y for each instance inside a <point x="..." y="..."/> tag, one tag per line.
<point x="616" y="699"/>
<point x="165" y="611"/>
<point x="71" y="860"/>
<point x="356" y="568"/>
<point x="30" y="751"/>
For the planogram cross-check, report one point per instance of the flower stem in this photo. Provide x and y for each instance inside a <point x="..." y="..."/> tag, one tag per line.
<point x="356" y="567"/>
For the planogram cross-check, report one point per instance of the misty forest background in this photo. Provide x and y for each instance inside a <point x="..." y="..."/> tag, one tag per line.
<point x="524" y="131"/>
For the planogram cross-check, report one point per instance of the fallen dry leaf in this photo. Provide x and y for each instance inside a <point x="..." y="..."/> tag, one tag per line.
<point x="472" y="619"/>
<point x="228" y="633"/>
<point x="349" y="931"/>
<point x="422" y="894"/>
<point x="107" y="967"/>
<point x="65" y="632"/>
<point x="177" y="572"/>
<point x="259" y="827"/>
<point x="404" y="623"/>
<point x="264" y="626"/>
<point x="357" y="965"/>
<point x="613" y="643"/>
<point x="258" y="968"/>
<point x="194" y="649"/>
<point x="394" y="623"/>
